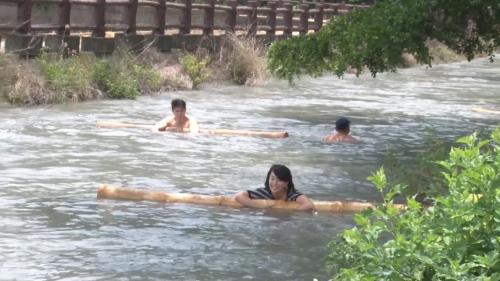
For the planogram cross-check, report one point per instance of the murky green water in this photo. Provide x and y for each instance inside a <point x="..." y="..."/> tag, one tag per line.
<point x="52" y="158"/>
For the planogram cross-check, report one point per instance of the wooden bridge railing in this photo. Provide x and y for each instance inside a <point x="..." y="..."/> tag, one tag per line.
<point x="155" y="17"/>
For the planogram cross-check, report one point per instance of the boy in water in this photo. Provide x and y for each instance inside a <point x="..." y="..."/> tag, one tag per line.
<point x="179" y="121"/>
<point x="342" y="128"/>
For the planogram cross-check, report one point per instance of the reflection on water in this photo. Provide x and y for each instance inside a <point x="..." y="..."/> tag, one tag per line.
<point x="53" y="157"/>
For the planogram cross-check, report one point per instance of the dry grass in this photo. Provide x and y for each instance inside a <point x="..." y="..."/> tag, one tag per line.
<point x="31" y="89"/>
<point x="242" y="59"/>
<point x="440" y="54"/>
<point x="21" y="83"/>
<point x="174" y="77"/>
<point x="8" y="70"/>
<point x="168" y="67"/>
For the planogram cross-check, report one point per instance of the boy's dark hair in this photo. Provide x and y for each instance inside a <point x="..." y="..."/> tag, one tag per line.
<point x="342" y="123"/>
<point x="178" y="103"/>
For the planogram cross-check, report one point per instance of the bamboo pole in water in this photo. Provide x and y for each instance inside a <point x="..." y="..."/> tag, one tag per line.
<point x="485" y="110"/>
<point x="112" y="124"/>
<point x="112" y="192"/>
<point x="262" y="134"/>
<point x="227" y="132"/>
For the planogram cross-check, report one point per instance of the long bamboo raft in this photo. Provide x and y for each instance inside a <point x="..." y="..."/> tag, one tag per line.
<point x="226" y="132"/>
<point x="113" y="192"/>
<point x="485" y="110"/>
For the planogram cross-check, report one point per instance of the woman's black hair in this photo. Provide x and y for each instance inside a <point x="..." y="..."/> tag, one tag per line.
<point x="283" y="174"/>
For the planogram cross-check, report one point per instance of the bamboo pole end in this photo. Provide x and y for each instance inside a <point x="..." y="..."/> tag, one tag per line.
<point x="100" y="123"/>
<point x="101" y="190"/>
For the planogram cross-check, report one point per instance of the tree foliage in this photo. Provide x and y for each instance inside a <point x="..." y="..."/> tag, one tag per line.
<point x="376" y="37"/>
<point x="456" y="239"/>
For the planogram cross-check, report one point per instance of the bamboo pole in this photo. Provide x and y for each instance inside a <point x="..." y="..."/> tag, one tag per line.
<point x="485" y="110"/>
<point x="112" y="124"/>
<point x="226" y="132"/>
<point x="122" y="193"/>
<point x="262" y="134"/>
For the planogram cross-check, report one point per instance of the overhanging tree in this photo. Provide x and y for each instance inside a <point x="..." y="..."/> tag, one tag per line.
<point x="376" y="37"/>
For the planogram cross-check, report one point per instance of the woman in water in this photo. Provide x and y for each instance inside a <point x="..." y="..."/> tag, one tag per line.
<point x="278" y="186"/>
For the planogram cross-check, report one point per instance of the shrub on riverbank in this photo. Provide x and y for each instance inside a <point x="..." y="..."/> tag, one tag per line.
<point x="196" y="68"/>
<point x="52" y="79"/>
<point x="68" y="79"/>
<point x="455" y="239"/>
<point x="123" y="76"/>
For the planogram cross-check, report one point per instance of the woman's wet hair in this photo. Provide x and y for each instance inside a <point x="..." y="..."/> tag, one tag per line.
<point x="283" y="174"/>
<point x="178" y="103"/>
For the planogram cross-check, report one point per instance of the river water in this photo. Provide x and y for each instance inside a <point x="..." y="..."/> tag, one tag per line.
<point x="52" y="159"/>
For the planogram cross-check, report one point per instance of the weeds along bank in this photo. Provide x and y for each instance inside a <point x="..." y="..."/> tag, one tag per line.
<point x="50" y="78"/>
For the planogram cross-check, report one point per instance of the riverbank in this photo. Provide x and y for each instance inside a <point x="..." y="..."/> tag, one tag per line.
<point x="54" y="78"/>
<point x="50" y="78"/>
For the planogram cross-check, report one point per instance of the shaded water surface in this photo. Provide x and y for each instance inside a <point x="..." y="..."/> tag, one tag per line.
<point x="52" y="158"/>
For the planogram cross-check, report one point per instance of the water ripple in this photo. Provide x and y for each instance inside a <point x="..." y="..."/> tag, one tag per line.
<point x="53" y="157"/>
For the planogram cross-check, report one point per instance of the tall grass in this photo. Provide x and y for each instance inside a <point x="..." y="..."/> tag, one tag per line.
<point x="22" y="83"/>
<point x="8" y="74"/>
<point x="243" y="59"/>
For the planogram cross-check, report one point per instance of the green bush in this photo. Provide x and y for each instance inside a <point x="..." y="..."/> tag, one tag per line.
<point x="121" y="77"/>
<point x="148" y="78"/>
<point x="52" y="79"/>
<point x="195" y="68"/>
<point x="114" y="81"/>
<point x="68" y="78"/>
<point x="458" y="238"/>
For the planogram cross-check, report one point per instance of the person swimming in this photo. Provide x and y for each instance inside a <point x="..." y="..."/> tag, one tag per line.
<point x="179" y="121"/>
<point x="342" y="129"/>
